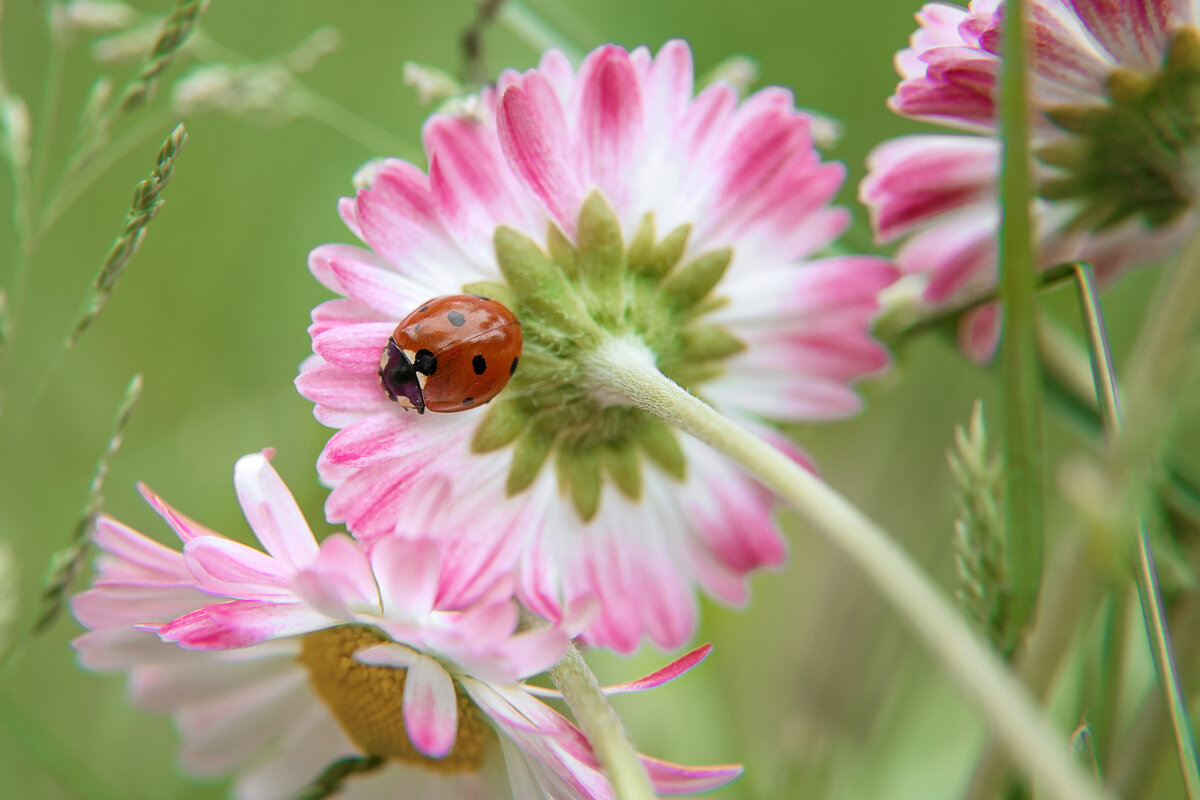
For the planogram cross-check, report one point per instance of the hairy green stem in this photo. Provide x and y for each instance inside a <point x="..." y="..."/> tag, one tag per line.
<point x="623" y="371"/>
<point x="603" y="728"/>
<point x="1153" y="609"/>
<point x="1018" y="349"/>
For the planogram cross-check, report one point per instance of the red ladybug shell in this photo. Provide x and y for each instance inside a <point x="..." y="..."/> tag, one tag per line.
<point x="451" y="354"/>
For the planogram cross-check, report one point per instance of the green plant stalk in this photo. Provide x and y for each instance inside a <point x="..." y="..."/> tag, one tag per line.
<point x="623" y="371"/>
<point x="603" y="728"/>
<point x="1153" y="611"/>
<point x="1018" y="349"/>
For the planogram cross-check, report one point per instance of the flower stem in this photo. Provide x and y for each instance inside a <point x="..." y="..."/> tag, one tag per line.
<point x="602" y="727"/>
<point x="624" y="371"/>
<point x="1018" y="350"/>
<point x="1153" y="611"/>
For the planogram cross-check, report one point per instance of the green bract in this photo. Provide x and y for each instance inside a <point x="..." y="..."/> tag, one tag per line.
<point x="572" y="297"/>
<point x="1135" y="157"/>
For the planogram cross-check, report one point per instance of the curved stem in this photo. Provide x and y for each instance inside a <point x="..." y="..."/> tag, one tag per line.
<point x="624" y="371"/>
<point x="602" y="727"/>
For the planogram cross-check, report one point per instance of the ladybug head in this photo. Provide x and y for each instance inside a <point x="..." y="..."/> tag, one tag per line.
<point x="399" y="379"/>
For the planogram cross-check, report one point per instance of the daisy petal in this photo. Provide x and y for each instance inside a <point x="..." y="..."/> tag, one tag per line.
<point x="677" y="668"/>
<point x="272" y="512"/>
<point x="240" y="623"/>
<point x="430" y="708"/>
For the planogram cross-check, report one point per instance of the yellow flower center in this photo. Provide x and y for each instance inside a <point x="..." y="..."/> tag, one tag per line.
<point x="366" y="702"/>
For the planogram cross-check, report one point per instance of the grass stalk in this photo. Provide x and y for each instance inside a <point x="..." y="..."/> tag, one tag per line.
<point x="176" y="30"/>
<point x="146" y="203"/>
<point x="1149" y="594"/>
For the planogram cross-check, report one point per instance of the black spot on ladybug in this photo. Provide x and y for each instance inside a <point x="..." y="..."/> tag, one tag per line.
<point x="479" y="365"/>
<point x="423" y="309"/>
<point x="425" y="362"/>
<point x="468" y="401"/>
<point x="481" y="297"/>
<point x="513" y="368"/>
<point x="456" y="318"/>
<point x="417" y="328"/>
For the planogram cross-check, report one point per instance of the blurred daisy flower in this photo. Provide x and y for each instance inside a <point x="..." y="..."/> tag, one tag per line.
<point x="1116" y="117"/>
<point x="609" y="202"/>
<point x="278" y="664"/>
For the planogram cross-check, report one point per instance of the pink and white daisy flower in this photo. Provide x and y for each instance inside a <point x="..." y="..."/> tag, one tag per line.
<point x="605" y="202"/>
<point x="1114" y="123"/>
<point x="278" y="664"/>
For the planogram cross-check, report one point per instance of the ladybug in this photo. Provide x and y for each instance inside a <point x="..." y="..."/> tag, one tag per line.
<point x="453" y="353"/>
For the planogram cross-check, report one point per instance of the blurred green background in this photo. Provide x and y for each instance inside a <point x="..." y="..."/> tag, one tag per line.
<point x="815" y="686"/>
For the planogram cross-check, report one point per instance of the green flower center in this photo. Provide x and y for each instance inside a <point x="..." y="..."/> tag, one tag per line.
<point x="1136" y="156"/>
<point x="572" y="297"/>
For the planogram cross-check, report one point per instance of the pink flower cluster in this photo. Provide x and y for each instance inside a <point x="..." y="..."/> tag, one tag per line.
<point x="242" y="646"/>
<point x="939" y="192"/>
